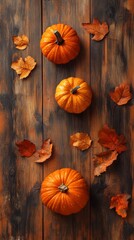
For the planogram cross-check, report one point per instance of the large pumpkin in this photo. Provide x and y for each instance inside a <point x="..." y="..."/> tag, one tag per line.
<point x="64" y="191"/>
<point x="60" y="43"/>
<point x="73" y="95"/>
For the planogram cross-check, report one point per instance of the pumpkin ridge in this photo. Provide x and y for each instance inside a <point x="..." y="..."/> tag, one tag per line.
<point x="73" y="181"/>
<point x="62" y="95"/>
<point x="62" y="102"/>
<point x="75" y="201"/>
<point x="51" y="54"/>
<point x="63" y="180"/>
<point x="71" y="33"/>
<point x="68" y="54"/>
<point x="74" y="175"/>
<point x="50" y="198"/>
<point x="82" y="98"/>
<point x="50" y="204"/>
<point x="69" y="102"/>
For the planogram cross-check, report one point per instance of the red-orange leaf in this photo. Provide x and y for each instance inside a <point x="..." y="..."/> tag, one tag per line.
<point x="121" y="94"/>
<point x="24" y="67"/>
<point x="45" y="152"/>
<point x="129" y="4"/>
<point x="21" y="41"/>
<point x="97" y="29"/>
<point x="120" y="203"/>
<point x="26" y="148"/>
<point x="103" y="160"/>
<point x="81" y="141"/>
<point x="110" y="139"/>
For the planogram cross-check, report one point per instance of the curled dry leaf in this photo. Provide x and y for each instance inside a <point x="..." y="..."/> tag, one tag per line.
<point x="97" y="29"/>
<point x="104" y="160"/>
<point x="121" y="94"/>
<point x="120" y="203"/>
<point x="45" y="152"/>
<point x="21" y="42"/>
<point x="24" y="67"/>
<point x="26" y="148"/>
<point x="110" y="139"/>
<point x="81" y="141"/>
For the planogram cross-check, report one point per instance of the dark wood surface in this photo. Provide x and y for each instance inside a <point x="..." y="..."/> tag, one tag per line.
<point x="28" y="110"/>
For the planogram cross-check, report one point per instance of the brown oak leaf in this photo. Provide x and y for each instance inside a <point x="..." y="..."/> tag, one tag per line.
<point x="81" y="141"/>
<point x="121" y="94"/>
<point x="97" y="29"/>
<point x="110" y="139"/>
<point x="45" y="152"/>
<point x="120" y="203"/>
<point x="104" y="160"/>
<point x="21" y="41"/>
<point x="24" y="67"/>
<point x="26" y="148"/>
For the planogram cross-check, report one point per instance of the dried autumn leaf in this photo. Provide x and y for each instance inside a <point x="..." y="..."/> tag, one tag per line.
<point x="45" y="152"/>
<point x="120" y="203"/>
<point x="104" y="160"/>
<point x="81" y="141"/>
<point x="26" y="148"/>
<point x="129" y="4"/>
<point x="97" y="29"/>
<point x="24" y="67"/>
<point x="121" y="94"/>
<point x="110" y="139"/>
<point x="21" y="42"/>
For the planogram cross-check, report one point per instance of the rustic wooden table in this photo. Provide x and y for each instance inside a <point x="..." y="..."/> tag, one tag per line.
<point x="28" y="110"/>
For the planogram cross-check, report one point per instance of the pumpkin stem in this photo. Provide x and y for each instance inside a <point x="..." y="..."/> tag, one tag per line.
<point x="59" y="39"/>
<point x="63" y="188"/>
<point x="74" y="90"/>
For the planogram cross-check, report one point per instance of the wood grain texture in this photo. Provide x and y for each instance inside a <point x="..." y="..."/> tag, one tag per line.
<point x="28" y="110"/>
<point x="21" y="111"/>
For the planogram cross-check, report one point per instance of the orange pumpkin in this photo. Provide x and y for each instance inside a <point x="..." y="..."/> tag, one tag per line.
<point x="64" y="191"/>
<point x="60" y="43"/>
<point x="73" y="95"/>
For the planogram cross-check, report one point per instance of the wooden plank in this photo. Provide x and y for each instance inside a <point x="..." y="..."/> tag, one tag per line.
<point x="109" y="67"/>
<point x="59" y="125"/>
<point x="21" y="117"/>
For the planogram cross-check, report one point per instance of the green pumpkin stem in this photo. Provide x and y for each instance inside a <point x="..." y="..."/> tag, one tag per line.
<point x="59" y="39"/>
<point x="63" y="188"/>
<point x="74" y="90"/>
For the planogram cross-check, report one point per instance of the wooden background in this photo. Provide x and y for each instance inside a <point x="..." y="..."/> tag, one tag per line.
<point x="28" y="110"/>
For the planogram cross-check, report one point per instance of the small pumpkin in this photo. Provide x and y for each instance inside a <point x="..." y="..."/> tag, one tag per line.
<point x="73" y="95"/>
<point x="60" y="43"/>
<point x="64" y="191"/>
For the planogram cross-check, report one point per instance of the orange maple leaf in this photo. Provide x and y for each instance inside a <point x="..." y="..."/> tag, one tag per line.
<point x="104" y="160"/>
<point x="26" y="148"/>
<point x="99" y="30"/>
<point x="121" y="94"/>
<point x="81" y="141"/>
<point x="45" y="152"/>
<point x="24" y="67"/>
<point x="21" y="42"/>
<point x="120" y="203"/>
<point x="110" y="139"/>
